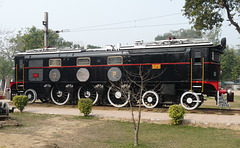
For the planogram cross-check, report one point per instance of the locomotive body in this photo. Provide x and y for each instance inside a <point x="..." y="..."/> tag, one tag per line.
<point x="189" y="70"/>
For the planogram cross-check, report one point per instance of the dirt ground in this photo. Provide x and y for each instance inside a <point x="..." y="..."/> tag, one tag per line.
<point x="57" y="131"/>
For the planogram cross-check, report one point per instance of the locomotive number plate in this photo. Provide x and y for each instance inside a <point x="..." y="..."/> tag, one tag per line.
<point x="156" y="66"/>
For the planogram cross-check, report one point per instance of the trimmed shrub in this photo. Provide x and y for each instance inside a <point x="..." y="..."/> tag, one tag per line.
<point x="85" y="106"/>
<point x="176" y="112"/>
<point x="20" y="102"/>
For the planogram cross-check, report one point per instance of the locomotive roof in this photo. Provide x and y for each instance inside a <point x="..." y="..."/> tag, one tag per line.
<point x="139" y="45"/>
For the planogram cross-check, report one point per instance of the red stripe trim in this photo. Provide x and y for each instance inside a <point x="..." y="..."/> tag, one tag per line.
<point x="108" y="65"/>
<point x="213" y="83"/>
<point x="182" y="63"/>
<point x="12" y="83"/>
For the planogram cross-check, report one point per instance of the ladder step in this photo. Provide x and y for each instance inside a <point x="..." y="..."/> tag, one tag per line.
<point x="197" y="86"/>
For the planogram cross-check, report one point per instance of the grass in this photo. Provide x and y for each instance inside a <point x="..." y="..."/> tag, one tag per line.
<point x="154" y="135"/>
<point x="85" y="117"/>
<point x="105" y="133"/>
<point x="211" y="103"/>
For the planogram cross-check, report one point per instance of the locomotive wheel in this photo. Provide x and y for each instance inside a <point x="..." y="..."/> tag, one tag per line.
<point x="190" y="100"/>
<point x="150" y="99"/>
<point x="59" y="96"/>
<point x="88" y="92"/>
<point x="116" y="97"/>
<point x="32" y="95"/>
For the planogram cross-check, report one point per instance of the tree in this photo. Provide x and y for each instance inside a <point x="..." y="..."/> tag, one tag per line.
<point x="92" y="46"/>
<point x="205" y="15"/>
<point x="6" y="55"/>
<point x="229" y="65"/>
<point x="77" y="46"/>
<point x="32" y="38"/>
<point x="5" y="67"/>
<point x="180" y="34"/>
<point x="213" y="35"/>
<point x="236" y="69"/>
<point x="132" y="87"/>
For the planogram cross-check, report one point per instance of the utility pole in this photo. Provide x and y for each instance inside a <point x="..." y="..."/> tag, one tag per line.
<point x="45" y="23"/>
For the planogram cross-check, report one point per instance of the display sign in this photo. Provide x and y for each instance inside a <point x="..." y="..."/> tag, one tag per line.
<point x="156" y="66"/>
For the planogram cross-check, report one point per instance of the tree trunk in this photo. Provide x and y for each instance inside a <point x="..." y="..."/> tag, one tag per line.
<point x="136" y="137"/>
<point x="231" y="18"/>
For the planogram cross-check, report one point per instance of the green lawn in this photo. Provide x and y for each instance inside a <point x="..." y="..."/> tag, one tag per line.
<point x="211" y="103"/>
<point x="70" y="131"/>
<point x="154" y="135"/>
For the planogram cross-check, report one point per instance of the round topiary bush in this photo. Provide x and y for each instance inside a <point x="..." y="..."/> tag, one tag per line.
<point x="20" y="102"/>
<point x="85" y="106"/>
<point x="176" y="112"/>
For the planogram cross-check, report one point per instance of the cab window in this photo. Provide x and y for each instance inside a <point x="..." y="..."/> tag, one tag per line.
<point x="55" y="62"/>
<point x="216" y="56"/>
<point x="198" y="57"/>
<point x="83" y="61"/>
<point x="115" y="60"/>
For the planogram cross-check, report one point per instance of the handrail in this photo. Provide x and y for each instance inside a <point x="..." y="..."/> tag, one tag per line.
<point x="16" y="69"/>
<point x="23" y="76"/>
<point x="203" y="75"/>
<point x="191" y="74"/>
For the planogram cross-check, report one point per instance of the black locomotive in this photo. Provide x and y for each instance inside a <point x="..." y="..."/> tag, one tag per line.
<point x="190" y="70"/>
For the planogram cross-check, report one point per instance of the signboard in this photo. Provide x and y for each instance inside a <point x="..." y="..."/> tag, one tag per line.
<point x="156" y="66"/>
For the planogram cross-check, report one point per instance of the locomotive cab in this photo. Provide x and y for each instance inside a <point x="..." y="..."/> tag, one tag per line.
<point x="206" y="78"/>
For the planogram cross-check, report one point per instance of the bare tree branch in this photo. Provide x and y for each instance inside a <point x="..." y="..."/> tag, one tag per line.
<point x="136" y="83"/>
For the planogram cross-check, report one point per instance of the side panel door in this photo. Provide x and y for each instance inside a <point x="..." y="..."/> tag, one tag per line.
<point x="197" y="55"/>
<point x="19" y="67"/>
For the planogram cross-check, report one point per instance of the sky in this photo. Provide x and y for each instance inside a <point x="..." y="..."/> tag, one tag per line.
<point x="118" y="21"/>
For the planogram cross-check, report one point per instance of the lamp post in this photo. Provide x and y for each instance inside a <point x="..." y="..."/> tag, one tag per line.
<point x="45" y="23"/>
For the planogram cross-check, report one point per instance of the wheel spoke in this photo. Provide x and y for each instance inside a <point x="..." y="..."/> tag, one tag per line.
<point x="59" y="96"/>
<point x="150" y="99"/>
<point x="88" y="92"/>
<point x="190" y="100"/>
<point x="196" y="101"/>
<point x="117" y="98"/>
<point x="31" y="94"/>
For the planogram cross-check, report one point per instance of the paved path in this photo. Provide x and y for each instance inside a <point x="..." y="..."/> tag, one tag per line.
<point x="204" y="120"/>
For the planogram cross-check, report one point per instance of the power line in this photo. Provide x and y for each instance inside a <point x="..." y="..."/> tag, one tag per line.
<point x="128" y="27"/>
<point x="124" y="22"/>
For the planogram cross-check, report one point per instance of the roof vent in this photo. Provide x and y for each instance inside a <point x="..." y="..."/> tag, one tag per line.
<point x="138" y="42"/>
